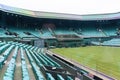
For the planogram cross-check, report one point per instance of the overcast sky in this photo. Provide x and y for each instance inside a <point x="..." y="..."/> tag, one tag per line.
<point x="67" y="6"/>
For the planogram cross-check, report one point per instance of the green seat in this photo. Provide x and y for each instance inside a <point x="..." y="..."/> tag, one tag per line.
<point x="1" y="61"/>
<point x="29" y="56"/>
<point x="7" y="78"/>
<point x="56" y="64"/>
<point x="9" y="74"/>
<point x="59" y="77"/>
<point x="35" y="69"/>
<point x="4" y="47"/>
<point x="69" y="78"/>
<point x="25" y="74"/>
<point x="38" y="61"/>
<point x="45" y="59"/>
<point x="26" y="78"/>
<point x="38" y="74"/>
<point x="49" y="76"/>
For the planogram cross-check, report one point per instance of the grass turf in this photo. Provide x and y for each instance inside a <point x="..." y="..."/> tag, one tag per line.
<point x="101" y="58"/>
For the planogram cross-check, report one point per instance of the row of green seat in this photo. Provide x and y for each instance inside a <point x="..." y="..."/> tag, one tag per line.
<point x="3" y="48"/>
<point x="45" y="59"/>
<point x="2" y="43"/>
<point x="49" y="76"/>
<point x="33" y="48"/>
<point x="5" y="55"/>
<point x="36" y="49"/>
<point x="15" y="53"/>
<point x="29" y="47"/>
<point x="16" y="43"/>
<point x="36" y="59"/>
<point x="41" y="56"/>
<point x="29" y="56"/>
<point x="8" y="51"/>
<point x="36" y="70"/>
<point x="69" y="78"/>
<point x="9" y="74"/>
<point x="55" y="63"/>
<point x="1" y="61"/>
<point x="40" y="59"/>
<point x="26" y="46"/>
<point x="25" y="74"/>
<point x="59" y="77"/>
<point x="23" y="45"/>
<point x="39" y="75"/>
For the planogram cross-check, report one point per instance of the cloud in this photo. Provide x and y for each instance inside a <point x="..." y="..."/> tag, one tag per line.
<point x="67" y="6"/>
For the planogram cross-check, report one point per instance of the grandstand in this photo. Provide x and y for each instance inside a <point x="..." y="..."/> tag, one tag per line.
<point x="26" y="39"/>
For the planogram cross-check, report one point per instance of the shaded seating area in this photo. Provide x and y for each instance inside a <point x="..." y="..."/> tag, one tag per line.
<point x="112" y="42"/>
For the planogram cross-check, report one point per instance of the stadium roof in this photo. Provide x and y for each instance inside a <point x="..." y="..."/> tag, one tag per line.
<point x="41" y="14"/>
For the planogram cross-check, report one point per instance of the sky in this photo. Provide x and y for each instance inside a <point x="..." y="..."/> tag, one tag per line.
<point x="81" y="7"/>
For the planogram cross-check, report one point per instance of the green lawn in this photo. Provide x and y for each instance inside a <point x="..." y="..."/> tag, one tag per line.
<point x="101" y="58"/>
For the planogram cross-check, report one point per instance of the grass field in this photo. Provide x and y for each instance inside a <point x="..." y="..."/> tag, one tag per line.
<point x="101" y="58"/>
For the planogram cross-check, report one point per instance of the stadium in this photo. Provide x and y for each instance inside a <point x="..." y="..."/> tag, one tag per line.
<point x="38" y="45"/>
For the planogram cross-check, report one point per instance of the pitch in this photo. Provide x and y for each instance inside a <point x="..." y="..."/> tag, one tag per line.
<point x="101" y="58"/>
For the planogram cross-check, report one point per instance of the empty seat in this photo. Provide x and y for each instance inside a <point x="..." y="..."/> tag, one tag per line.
<point x="9" y="74"/>
<point x="29" y="56"/>
<point x="45" y="59"/>
<point x="25" y="74"/>
<point x="36" y="59"/>
<point x="56" y="64"/>
<point x="36" y="71"/>
<point x="69" y="78"/>
<point x="42" y="60"/>
<point x="4" y="47"/>
<point x="38" y="74"/>
<point x="8" y="51"/>
<point x="15" y="52"/>
<point x="49" y="76"/>
<point x="59" y="77"/>
<point x="1" y="61"/>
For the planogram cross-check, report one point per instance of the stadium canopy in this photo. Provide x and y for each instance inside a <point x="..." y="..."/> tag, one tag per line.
<point x="41" y="14"/>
